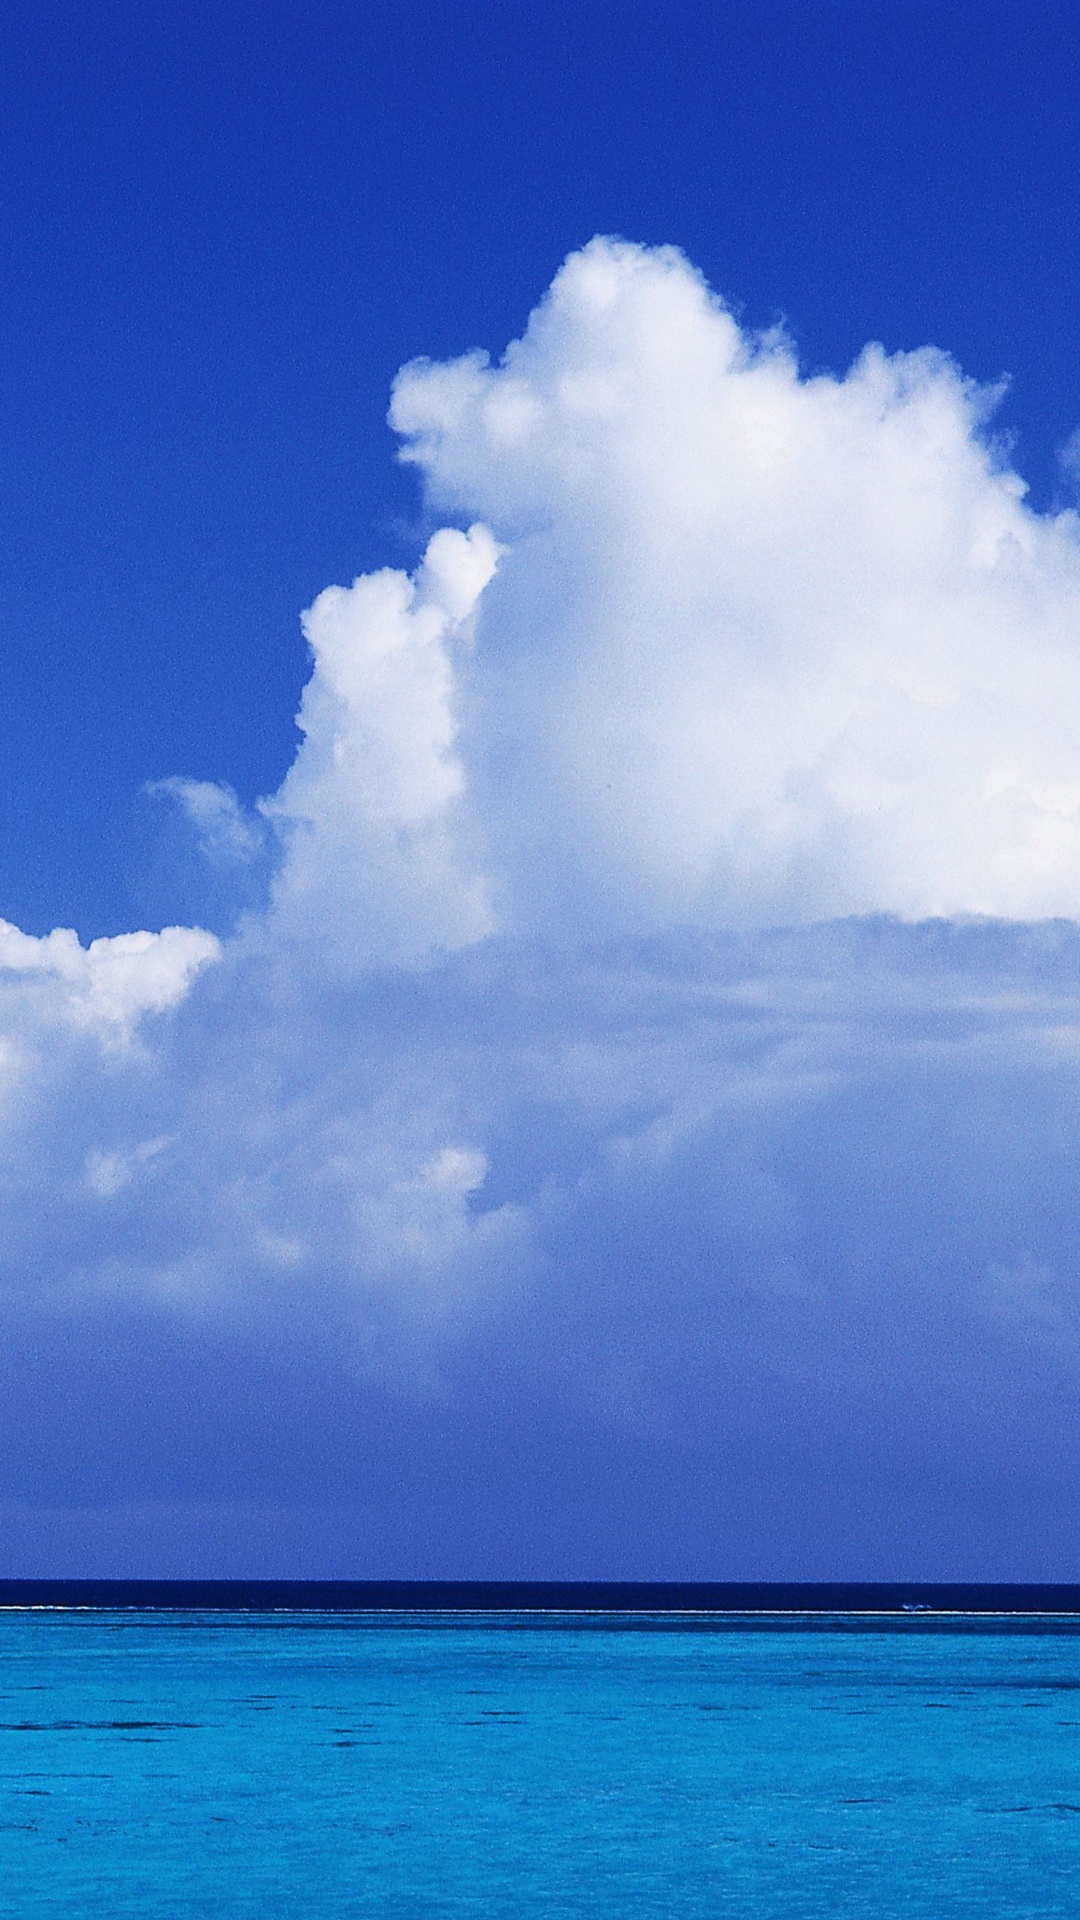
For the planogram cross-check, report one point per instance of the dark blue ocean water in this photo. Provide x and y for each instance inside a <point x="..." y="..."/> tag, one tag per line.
<point x="319" y="1765"/>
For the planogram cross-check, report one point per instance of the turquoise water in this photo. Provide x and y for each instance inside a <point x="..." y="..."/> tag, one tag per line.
<point x="171" y="1765"/>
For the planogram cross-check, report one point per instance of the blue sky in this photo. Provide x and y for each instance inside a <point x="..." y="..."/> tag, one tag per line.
<point x="604" y="1102"/>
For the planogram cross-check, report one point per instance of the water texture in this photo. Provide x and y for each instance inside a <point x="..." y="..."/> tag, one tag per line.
<point x="318" y="1765"/>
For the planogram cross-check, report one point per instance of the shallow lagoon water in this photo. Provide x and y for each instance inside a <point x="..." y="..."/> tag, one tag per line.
<point x="336" y="1765"/>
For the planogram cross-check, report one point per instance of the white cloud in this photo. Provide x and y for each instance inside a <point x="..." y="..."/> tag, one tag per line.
<point x="227" y="836"/>
<point x="764" y="648"/>
<point x="372" y="812"/>
<point x="104" y="988"/>
<point x="107" y="1174"/>
<point x="506" y="1074"/>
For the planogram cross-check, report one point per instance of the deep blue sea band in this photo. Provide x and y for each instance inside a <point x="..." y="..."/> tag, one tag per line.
<point x="908" y="1599"/>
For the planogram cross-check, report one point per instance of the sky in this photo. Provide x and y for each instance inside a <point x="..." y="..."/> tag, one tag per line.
<point x="540" y="812"/>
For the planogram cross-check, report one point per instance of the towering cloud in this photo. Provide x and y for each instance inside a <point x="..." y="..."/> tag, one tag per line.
<point x="369" y="810"/>
<point x="653" y="1062"/>
<point x="765" y="648"/>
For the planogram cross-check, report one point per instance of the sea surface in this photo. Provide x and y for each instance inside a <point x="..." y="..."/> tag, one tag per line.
<point x="324" y="1765"/>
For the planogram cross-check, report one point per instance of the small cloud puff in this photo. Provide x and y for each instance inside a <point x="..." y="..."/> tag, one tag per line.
<point x="107" y="1174"/>
<point x="227" y="836"/>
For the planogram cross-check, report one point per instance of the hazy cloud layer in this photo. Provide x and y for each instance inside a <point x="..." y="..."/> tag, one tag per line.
<point x="511" y="1192"/>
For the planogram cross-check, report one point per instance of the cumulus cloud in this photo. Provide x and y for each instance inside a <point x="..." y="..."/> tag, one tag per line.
<point x="104" y="988"/>
<point x="372" y="812"/>
<point x="766" y="647"/>
<point x="616" y="1068"/>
